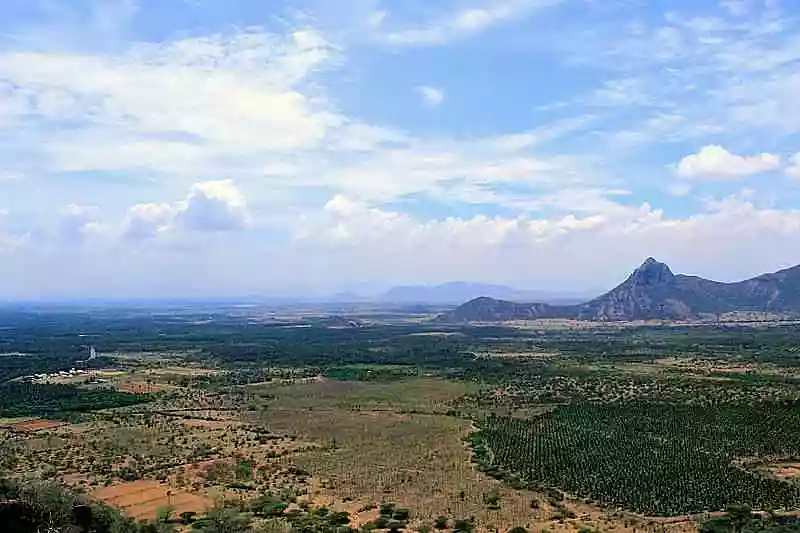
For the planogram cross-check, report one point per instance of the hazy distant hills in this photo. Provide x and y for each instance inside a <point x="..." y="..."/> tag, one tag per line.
<point x="459" y="291"/>
<point x="652" y="291"/>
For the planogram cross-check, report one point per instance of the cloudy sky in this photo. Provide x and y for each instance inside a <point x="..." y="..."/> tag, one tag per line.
<point x="231" y="147"/>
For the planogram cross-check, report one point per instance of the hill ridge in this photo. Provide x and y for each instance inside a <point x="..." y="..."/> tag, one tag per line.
<point x="653" y="292"/>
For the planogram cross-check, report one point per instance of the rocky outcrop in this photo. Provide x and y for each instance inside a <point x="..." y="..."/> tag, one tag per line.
<point x="653" y="292"/>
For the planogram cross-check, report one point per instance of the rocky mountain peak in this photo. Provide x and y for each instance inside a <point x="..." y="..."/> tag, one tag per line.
<point x="652" y="272"/>
<point x="653" y="292"/>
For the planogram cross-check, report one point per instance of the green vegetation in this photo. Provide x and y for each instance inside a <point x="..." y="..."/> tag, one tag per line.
<point x="43" y="506"/>
<point x="656" y="459"/>
<point x="659" y="420"/>
<point x="19" y="399"/>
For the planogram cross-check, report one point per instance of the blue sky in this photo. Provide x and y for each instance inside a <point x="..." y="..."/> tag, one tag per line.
<point x="206" y="148"/>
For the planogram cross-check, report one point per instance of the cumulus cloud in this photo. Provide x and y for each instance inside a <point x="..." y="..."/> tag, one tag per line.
<point x="77" y="222"/>
<point x="715" y="162"/>
<point x="432" y="96"/>
<point x="347" y="239"/>
<point x="146" y="221"/>
<point x="503" y="248"/>
<point x="212" y="206"/>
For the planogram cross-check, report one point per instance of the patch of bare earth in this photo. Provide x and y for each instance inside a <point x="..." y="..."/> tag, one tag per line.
<point x="142" y="499"/>
<point x="142" y="387"/>
<point x="36" y="424"/>
<point x="209" y="424"/>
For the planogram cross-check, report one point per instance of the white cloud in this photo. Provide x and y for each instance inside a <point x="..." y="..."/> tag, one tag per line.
<point x="239" y="93"/>
<point x="468" y="21"/>
<point x="255" y="107"/>
<point x="244" y="106"/>
<point x="76" y="223"/>
<point x="715" y="162"/>
<point x="737" y="8"/>
<point x="679" y="189"/>
<point x="500" y="249"/>
<point x="146" y="221"/>
<point x="432" y="96"/>
<point x="450" y="172"/>
<point x="212" y="206"/>
<point x="350" y="240"/>
<point x="716" y="71"/>
<point x="513" y="142"/>
<point x="793" y="171"/>
<point x="376" y="18"/>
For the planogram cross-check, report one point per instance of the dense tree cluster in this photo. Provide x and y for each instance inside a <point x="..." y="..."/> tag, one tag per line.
<point x="23" y="398"/>
<point x="655" y="458"/>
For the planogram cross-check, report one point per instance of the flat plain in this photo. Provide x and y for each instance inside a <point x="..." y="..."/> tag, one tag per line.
<point x="624" y="428"/>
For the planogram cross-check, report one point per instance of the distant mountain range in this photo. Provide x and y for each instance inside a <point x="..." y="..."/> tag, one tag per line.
<point x="652" y="292"/>
<point x="459" y="291"/>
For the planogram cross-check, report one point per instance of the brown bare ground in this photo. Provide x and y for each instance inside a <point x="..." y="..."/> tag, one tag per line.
<point x="182" y="371"/>
<point x="209" y="424"/>
<point x="142" y="387"/>
<point x="142" y="499"/>
<point x="36" y="424"/>
<point x="781" y="470"/>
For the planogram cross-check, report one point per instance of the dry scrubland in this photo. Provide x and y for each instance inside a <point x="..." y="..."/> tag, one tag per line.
<point x="394" y="443"/>
<point x="346" y="445"/>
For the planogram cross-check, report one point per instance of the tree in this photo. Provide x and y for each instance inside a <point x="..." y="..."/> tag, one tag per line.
<point x="387" y="509"/>
<point x="187" y="517"/>
<point x="440" y="522"/>
<point x="464" y="526"/>
<point x="402" y="515"/>
<point x="164" y="514"/>
<point x="224" y="521"/>
<point x="492" y="500"/>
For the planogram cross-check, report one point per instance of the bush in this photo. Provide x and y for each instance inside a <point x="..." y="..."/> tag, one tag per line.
<point x="402" y="515"/>
<point x="387" y="509"/>
<point x="464" y="526"/>
<point x="396" y="525"/>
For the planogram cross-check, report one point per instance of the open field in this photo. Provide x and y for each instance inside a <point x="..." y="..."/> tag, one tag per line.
<point x="35" y="425"/>
<point x="31" y="425"/>
<point x="142" y="499"/>
<point x="142" y="387"/>
<point x="418" y="394"/>
<point x="421" y="462"/>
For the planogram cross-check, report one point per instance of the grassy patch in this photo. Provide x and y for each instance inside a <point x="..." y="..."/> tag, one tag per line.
<point x="416" y="394"/>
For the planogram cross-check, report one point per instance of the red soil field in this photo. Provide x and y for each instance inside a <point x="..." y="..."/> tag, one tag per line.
<point x="38" y="424"/>
<point x="141" y="499"/>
